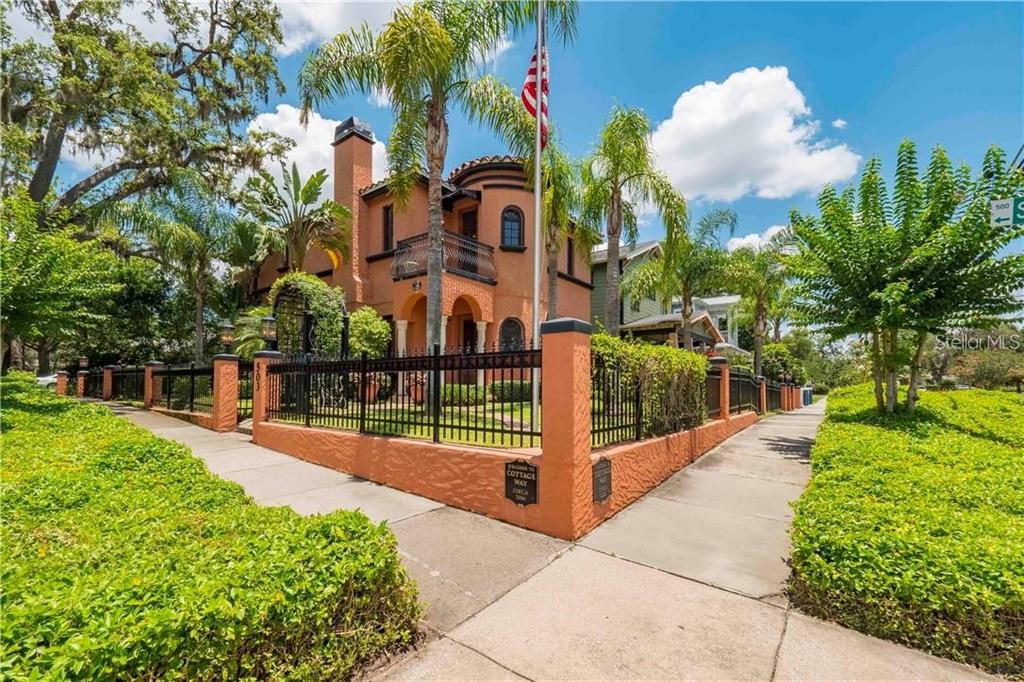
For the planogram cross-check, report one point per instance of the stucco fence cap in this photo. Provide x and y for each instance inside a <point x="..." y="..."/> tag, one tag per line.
<point x="268" y="354"/>
<point x="566" y="324"/>
<point x="154" y="363"/>
<point x="225" y="357"/>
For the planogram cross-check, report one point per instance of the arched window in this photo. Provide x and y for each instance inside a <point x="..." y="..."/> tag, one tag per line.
<point x="511" y="334"/>
<point x="512" y="227"/>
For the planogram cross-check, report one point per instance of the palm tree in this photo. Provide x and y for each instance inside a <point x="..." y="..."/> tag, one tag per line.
<point x="691" y="265"/>
<point x="187" y="230"/>
<point x="247" y="247"/>
<point x="425" y="59"/>
<point x="619" y="176"/>
<point x="757" y="274"/>
<point x="296" y="217"/>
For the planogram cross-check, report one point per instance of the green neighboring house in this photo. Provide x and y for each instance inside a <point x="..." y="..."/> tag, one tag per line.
<point x="630" y="309"/>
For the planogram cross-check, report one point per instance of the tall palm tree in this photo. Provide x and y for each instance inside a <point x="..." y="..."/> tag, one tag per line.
<point x="186" y="229"/>
<point x="425" y="59"/>
<point x="758" y="275"/>
<point x="619" y="176"/>
<point x="296" y="217"/>
<point x="247" y="247"/>
<point x="691" y="264"/>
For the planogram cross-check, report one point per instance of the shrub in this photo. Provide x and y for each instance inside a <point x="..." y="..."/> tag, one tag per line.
<point x="912" y="527"/>
<point x="672" y="381"/>
<point x="368" y="333"/>
<point x="326" y="303"/>
<point x="124" y="558"/>
<point x="463" y="394"/>
<point x="511" y="391"/>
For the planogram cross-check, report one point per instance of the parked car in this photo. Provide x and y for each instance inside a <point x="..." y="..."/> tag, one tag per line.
<point x="48" y="381"/>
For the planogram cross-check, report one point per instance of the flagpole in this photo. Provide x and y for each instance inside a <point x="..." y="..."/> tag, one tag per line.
<point x="537" y="241"/>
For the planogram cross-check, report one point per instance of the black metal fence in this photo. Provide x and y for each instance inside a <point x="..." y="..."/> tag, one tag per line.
<point x="773" y="394"/>
<point x="127" y="383"/>
<point x="478" y="398"/>
<point x="743" y="391"/>
<point x="187" y="388"/>
<point x="244" y="390"/>
<point x="94" y="384"/>
<point x="714" y="391"/>
<point x="616" y="405"/>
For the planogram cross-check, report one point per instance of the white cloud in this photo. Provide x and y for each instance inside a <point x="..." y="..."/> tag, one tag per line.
<point x="306" y="24"/>
<point x="312" y="150"/>
<point x="839" y="123"/>
<point x="750" y="134"/>
<point x="754" y="241"/>
<point x="490" y="57"/>
<point x="380" y="97"/>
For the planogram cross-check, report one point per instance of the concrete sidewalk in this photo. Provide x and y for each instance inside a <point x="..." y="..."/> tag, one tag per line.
<point x="687" y="582"/>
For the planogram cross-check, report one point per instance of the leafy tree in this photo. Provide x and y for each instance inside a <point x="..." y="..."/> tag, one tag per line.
<point x="424" y="59"/>
<point x="757" y="275"/>
<point x="296" y="218"/>
<point x="925" y="261"/>
<point x="53" y="285"/>
<point x="186" y="230"/>
<point x="368" y="333"/>
<point x="990" y="369"/>
<point x="249" y="331"/>
<point x="247" y="247"/>
<point x="619" y="175"/>
<point x="143" y="107"/>
<point x="692" y="265"/>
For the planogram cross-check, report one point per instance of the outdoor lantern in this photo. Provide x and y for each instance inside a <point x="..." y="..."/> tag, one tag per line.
<point x="83" y="362"/>
<point x="268" y="331"/>
<point x="227" y="335"/>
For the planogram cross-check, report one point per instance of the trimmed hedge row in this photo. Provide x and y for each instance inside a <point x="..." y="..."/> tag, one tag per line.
<point x="912" y="528"/>
<point x="123" y="557"/>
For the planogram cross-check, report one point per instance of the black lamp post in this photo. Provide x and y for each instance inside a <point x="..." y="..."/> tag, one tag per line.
<point x="227" y="335"/>
<point x="268" y="331"/>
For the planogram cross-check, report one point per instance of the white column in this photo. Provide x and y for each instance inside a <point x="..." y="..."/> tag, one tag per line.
<point x="481" y="336"/>
<point x="401" y="328"/>
<point x="444" y="341"/>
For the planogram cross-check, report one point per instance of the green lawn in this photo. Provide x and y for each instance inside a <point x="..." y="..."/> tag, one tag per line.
<point x="124" y="558"/>
<point x="912" y="527"/>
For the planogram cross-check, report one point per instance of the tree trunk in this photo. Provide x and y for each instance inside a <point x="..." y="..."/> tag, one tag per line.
<point x="553" y="250"/>
<point x="891" y="383"/>
<point x="611" y="303"/>
<point x="760" y="326"/>
<point x="915" y="370"/>
<point x="687" y="320"/>
<point x="199" y="347"/>
<point x="876" y="370"/>
<point x="777" y="330"/>
<point x="42" y="178"/>
<point x="436" y="147"/>
<point x="43" y="357"/>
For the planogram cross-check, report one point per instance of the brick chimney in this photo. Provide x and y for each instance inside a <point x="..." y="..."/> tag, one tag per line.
<point x="353" y="170"/>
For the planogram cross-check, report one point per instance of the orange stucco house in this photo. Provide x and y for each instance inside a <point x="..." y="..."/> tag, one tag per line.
<point x="488" y="251"/>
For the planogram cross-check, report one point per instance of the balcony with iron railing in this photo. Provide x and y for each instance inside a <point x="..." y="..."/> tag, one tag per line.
<point x="460" y="256"/>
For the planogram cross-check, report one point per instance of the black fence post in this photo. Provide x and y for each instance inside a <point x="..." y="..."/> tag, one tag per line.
<point x="168" y="380"/>
<point x="307" y="388"/>
<point x="191" y="386"/>
<point x="435" y="392"/>
<point x="639" y="435"/>
<point x="344" y="336"/>
<point x="362" y="392"/>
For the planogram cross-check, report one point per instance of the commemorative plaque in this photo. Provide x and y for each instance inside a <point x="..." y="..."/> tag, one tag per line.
<point x="602" y="470"/>
<point x="521" y="482"/>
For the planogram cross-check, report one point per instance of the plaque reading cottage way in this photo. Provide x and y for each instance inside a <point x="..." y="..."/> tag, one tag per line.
<point x="521" y="482"/>
<point x="602" y="479"/>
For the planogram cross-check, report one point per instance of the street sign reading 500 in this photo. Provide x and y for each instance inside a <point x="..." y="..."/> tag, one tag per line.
<point x="1007" y="212"/>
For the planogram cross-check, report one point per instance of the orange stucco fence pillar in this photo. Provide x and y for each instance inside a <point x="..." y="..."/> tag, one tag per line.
<point x="80" y="384"/>
<point x="723" y="386"/>
<point x="261" y="385"/>
<point x="762" y="395"/>
<point x="62" y="383"/>
<point x="225" y="392"/>
<point x="152" y="386"/>
<point x="108" y="381"/>
<point x="565" y="472"/>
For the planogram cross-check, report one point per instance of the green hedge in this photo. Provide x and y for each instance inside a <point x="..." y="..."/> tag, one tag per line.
<point x="463" y="394"/>
<point x="123" y="557"/>
<point x="673" y="381"/>
<point x="912" y="527"/>
<point x="511" y="391"/>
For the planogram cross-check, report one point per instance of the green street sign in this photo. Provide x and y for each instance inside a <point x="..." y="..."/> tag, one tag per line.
<point x="1008" y="212"/>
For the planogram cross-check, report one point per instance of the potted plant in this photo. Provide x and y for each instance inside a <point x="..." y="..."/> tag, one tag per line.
<point x="372" y="387"/>
<point x="416" y="383"/>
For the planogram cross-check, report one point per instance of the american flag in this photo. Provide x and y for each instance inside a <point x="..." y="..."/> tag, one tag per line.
<point x="529" y="95"/>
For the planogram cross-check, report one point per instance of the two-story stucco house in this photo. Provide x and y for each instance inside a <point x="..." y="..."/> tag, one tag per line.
<point x="487" y="282"/>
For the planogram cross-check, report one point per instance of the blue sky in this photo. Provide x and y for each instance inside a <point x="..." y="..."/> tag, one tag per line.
<point x="939" y="73"/>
